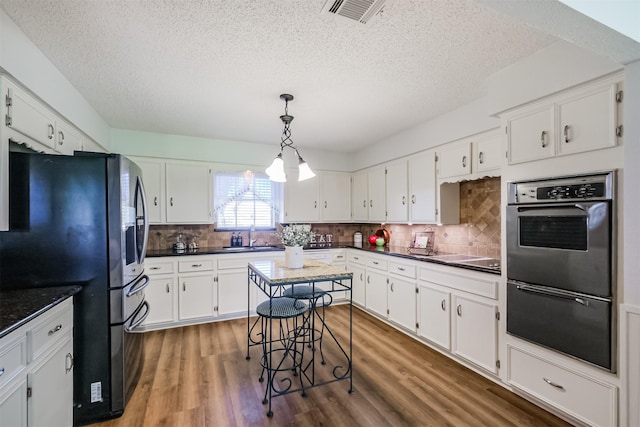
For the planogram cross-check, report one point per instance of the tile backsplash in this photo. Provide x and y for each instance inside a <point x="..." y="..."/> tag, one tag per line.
<point x="477" y="234"/>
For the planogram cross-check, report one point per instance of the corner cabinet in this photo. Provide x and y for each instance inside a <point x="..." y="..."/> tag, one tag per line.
<point x="36" y="385"/>
<point x="577" y="120"/>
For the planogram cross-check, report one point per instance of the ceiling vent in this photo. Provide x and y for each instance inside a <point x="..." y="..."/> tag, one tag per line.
<point x="362" y="11"/>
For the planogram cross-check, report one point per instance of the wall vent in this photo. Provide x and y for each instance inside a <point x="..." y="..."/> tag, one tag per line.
<point x="362" y="11"/>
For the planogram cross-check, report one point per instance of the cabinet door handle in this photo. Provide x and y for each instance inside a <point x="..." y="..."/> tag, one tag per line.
<point x="464" y="161"/>
<point x="196" y="265"/>
<point x="155" y="201"/>
<point x="551" y="383"/>
<point x="443" y="305"/>
<point x="364" y="203"/>
<point x="68" y="362"/>
<point x="171" y="201"/>
<point x="481" y="157"/>
<point x="391" y="286"/>
<point x="54" y="330"/>
<point x="376" y="262"/>
<point x="356" y="258"/>
<point x="51" y="131"/>
<point x="154" y="268"/>
<point x="370" y="203"/>
<point x="325" y="204"/>
<point x="413" y="199"/>
<point x="404" y="200"/>
<point x="168" y="290"/>
<point x="60" y="137"/>
<point x="315" y="204"/>
<point x="566" y="133"/>
<point x="368" y="277"/>
<point x="1" y="372"/>
<point x="401" y="268"/>
<point x="459" y="310"/>
<point x="361" y="277"/>
<point x="184" y="286"/>
<point x="543" y="138"/>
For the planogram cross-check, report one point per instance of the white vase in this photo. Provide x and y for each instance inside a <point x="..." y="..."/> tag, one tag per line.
<point x="293" y="256"/>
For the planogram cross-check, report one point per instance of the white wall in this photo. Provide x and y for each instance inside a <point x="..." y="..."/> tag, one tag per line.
<point x="148" y="144"/>
<point x="467" y="120"/>
<point x="631" y="190"/>
<point x="20" y="58"/>
<point x="557" y="67"/>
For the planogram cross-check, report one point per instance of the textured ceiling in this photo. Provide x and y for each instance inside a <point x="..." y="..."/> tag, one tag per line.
<point x="215" y="69"/>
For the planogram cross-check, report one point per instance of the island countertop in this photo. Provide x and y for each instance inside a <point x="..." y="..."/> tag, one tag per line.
<point x="275" y="273"/>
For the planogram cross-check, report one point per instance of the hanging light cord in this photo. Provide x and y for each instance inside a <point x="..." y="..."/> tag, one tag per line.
<point x="285" y="139"/>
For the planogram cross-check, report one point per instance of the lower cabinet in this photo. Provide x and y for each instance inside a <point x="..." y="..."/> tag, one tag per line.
<point x="36" y="371"/>
<point x="358" y="285"/>
<point x="196" y="297"/>
<point x="376" y="292"/>
<point x="233" y="293"/>
<point x="402" y="302"/>
<point x="461" y="317"/>
<point x="161" y="295"/>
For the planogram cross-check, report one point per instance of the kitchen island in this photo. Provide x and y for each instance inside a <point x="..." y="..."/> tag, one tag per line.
<point x="295" y="307"/>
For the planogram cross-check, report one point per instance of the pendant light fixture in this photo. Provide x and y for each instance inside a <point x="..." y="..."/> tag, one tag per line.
<point x="276" y="170"/>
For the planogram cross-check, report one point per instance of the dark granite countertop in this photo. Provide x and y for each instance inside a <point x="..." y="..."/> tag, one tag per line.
<point x="19" y="306"/>
<point x="485" y="265"/>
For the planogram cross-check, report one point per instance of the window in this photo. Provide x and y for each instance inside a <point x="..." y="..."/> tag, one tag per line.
<point x="243" y="199"/>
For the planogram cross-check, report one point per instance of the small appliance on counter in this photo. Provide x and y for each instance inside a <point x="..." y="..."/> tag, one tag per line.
<point x="357" y="239"/>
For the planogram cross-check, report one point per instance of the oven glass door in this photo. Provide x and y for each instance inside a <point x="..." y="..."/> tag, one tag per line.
<point x="566" y="246"/>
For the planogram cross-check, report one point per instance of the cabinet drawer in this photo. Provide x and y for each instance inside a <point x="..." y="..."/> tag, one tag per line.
<point x="356" y="258"/>
<point x="196" y="265"/>
<point x="402" y="269"/>
<point x="160" y="268"/>
<point x="226" y="262"/>
<point x="377" y="263"/>
<point x="338" y="256"/>
<point x="53" y="328"/>
<point x="12" y="359"/>
<point x="587" y="399"/>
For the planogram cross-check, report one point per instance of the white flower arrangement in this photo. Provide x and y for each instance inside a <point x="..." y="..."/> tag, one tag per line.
<point x="296" y="235"/>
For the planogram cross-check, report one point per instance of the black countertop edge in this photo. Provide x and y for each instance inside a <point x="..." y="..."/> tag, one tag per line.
<point x="396" y="251"/>
<point x="19" y="306"/>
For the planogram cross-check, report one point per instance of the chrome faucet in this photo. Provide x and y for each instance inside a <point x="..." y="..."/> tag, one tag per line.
<point x="252" y="230"/>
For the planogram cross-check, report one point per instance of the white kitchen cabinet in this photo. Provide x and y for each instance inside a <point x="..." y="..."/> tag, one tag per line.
<point x="68" y="139"/>
<point x="402" y="301"/>
<point x="454" y="160"/>
<point x="360" y="196"/>
<point x="397" y="192"/>
<point x="531" y="134"/>
<point x="89" y="144"/>
<point x="154" y="186"/>
<point x="161" y="297"/>
<point x="587" y="121"/>
<point x="434" y="318"/>
<point x="196" y="297"/>
<point x="233" y="295"/>
<point x="574" y="121"/>
<point x="335" y="196"/>
<point x="358" y="285"/>
<point x="376" y="183"/>
<point x="188" y="193"/>
<point x="376" y="292"/>
<point x="51" y="384"/>
<point x="36" y="362"/>
<point x="30" y="120"/>
<point x="302" y="200"/>
<point x="13" y="403"/>
<point x="487" y="152"/>
<point x="422" y="188"/>
<point x="475" y="330"/>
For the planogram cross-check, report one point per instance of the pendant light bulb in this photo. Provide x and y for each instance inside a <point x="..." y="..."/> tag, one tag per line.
<point x="304" y="171"/>
<point x="276" y="170"/>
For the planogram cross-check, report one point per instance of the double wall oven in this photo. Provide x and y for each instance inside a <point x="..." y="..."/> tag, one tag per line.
<point x="560" y="288"/>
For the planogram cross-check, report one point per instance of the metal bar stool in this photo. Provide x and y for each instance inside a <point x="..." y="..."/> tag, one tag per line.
<point x="280" y="354"/>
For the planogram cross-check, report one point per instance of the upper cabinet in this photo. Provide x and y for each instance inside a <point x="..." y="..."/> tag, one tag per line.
<point x="472" y="157"/>
<point x="376" y="182"/>
<point x="422" y="188"/>
<point x="188" y="193"/>
<point x="574" y="121"/>
<point x="327" y="197"/>
<point x="154" y="186"/>
<point x="397" y="192"/>
<point x="360" y="196"/>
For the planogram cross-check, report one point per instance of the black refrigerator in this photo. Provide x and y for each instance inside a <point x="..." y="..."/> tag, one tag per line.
<point x="82" y="220"/>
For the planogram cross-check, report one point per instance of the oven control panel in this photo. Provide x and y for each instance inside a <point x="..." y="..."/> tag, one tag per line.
<point x="578" y="188"/>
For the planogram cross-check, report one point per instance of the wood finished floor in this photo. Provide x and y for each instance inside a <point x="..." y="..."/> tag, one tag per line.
<point x="198" y="376"/>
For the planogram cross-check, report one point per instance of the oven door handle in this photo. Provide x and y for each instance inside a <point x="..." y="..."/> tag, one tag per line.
<point x="557" y="208"/>
<point x="552" y="293"/>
